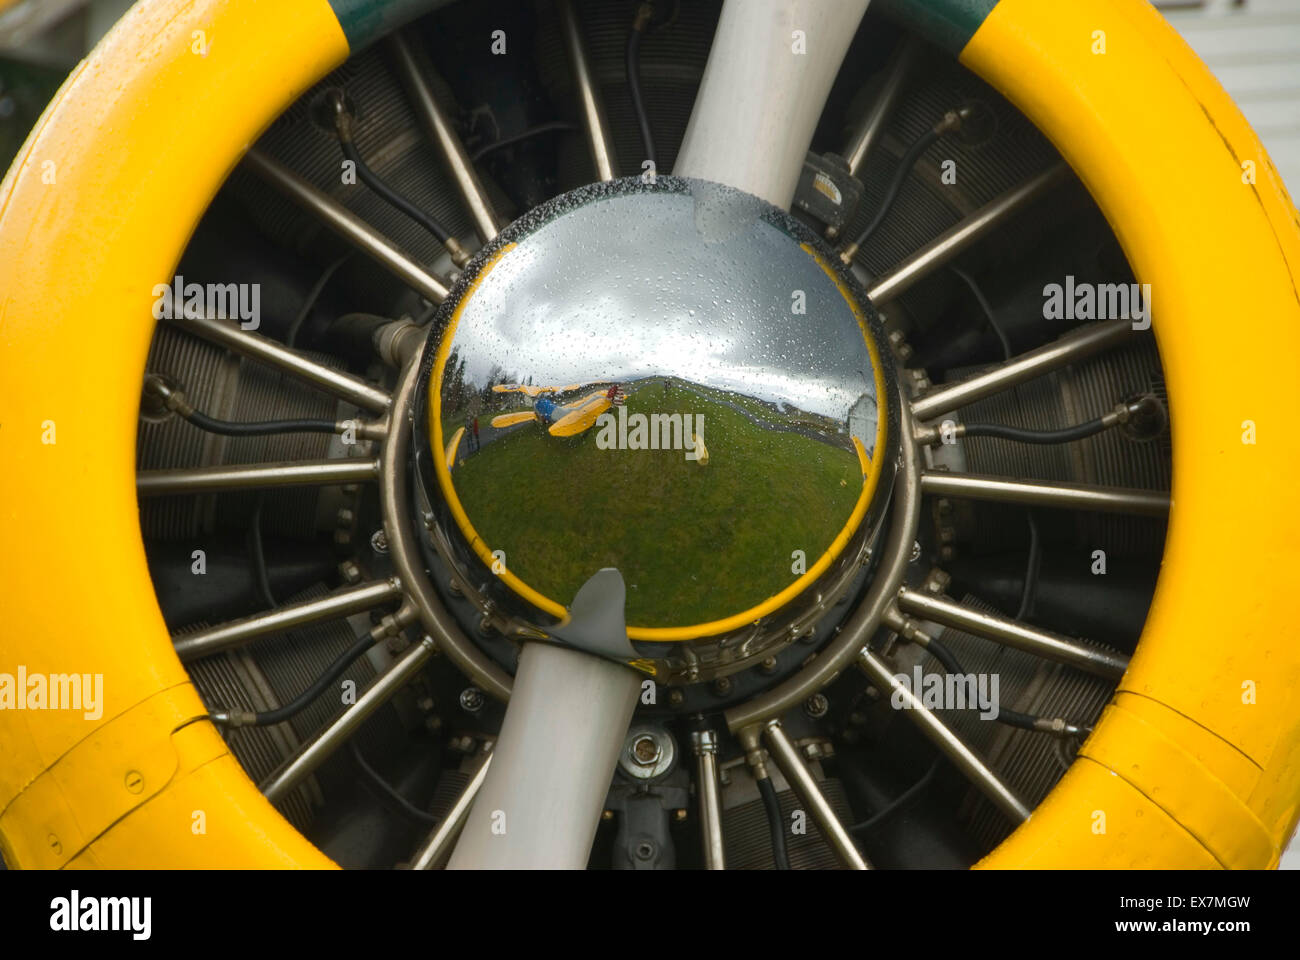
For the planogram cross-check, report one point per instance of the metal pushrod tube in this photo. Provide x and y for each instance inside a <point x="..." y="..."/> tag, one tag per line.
<point x="805" y="785"/>
<point x="1013" y="633"/>
<point x="961" y="237"/>
<point x="436" y="848"/>
<point x="341" y="603"/>
<point x="1074" y="346"/>
<point x="1033" y="493"/>
<point x="599" y="138"/>
<point x="873" y="123"/>
<point x="938" y="732"/>
<point x="289" y="473"/>
<point x="317" y="750"/>
<point x="348" y="226"/>
<point x="436" y="119"/>
<point x="705" y="744"/>
<point x="228" y="334"/>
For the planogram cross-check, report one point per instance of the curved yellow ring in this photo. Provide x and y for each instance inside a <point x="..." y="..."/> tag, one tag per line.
<point x="871" y="473"/>
<point x="96" y="209"/>
<point x="1183" y="770"/>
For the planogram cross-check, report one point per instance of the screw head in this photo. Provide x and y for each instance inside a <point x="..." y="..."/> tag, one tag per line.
<point x="134" y="781"/>
<point x="817" y="706"/>
<point x="472" y="699"/>
<point x="56" y="845"/>
<point x="379" y="541"/>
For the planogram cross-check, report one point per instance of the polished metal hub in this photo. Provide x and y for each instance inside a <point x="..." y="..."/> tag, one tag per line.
<point x="671" y="379"/>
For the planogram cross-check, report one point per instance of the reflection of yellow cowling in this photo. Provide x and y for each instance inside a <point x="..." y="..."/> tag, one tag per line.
<point x="453" y="446"/>
<point x="1187" y="768"/>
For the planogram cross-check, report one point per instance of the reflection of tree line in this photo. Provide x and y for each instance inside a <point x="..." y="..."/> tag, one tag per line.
<point x="464" y="397"/>
<point x="772" y="416"/>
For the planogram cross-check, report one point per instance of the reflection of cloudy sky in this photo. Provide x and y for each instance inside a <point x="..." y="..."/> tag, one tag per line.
<point x="628" y="287"/>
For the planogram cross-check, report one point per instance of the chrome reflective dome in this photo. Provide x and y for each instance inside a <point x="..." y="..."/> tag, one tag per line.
<point x="674" y="379"/>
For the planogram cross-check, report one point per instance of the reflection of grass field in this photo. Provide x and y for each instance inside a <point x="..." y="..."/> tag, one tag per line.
<point x="694" y="543"/>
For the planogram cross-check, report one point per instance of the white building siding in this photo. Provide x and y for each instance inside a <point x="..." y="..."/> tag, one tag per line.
<point x="1254" y="50"/>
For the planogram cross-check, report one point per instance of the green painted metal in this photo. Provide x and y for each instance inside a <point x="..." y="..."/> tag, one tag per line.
<point x="364" y="21"/>
<point x="947" y="23"/>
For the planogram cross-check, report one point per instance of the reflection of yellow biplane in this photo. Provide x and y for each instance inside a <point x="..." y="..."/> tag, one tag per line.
<point x="560" y="419"/>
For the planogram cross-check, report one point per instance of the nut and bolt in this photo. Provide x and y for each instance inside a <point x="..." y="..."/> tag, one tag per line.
<point x="646" y="750"/>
